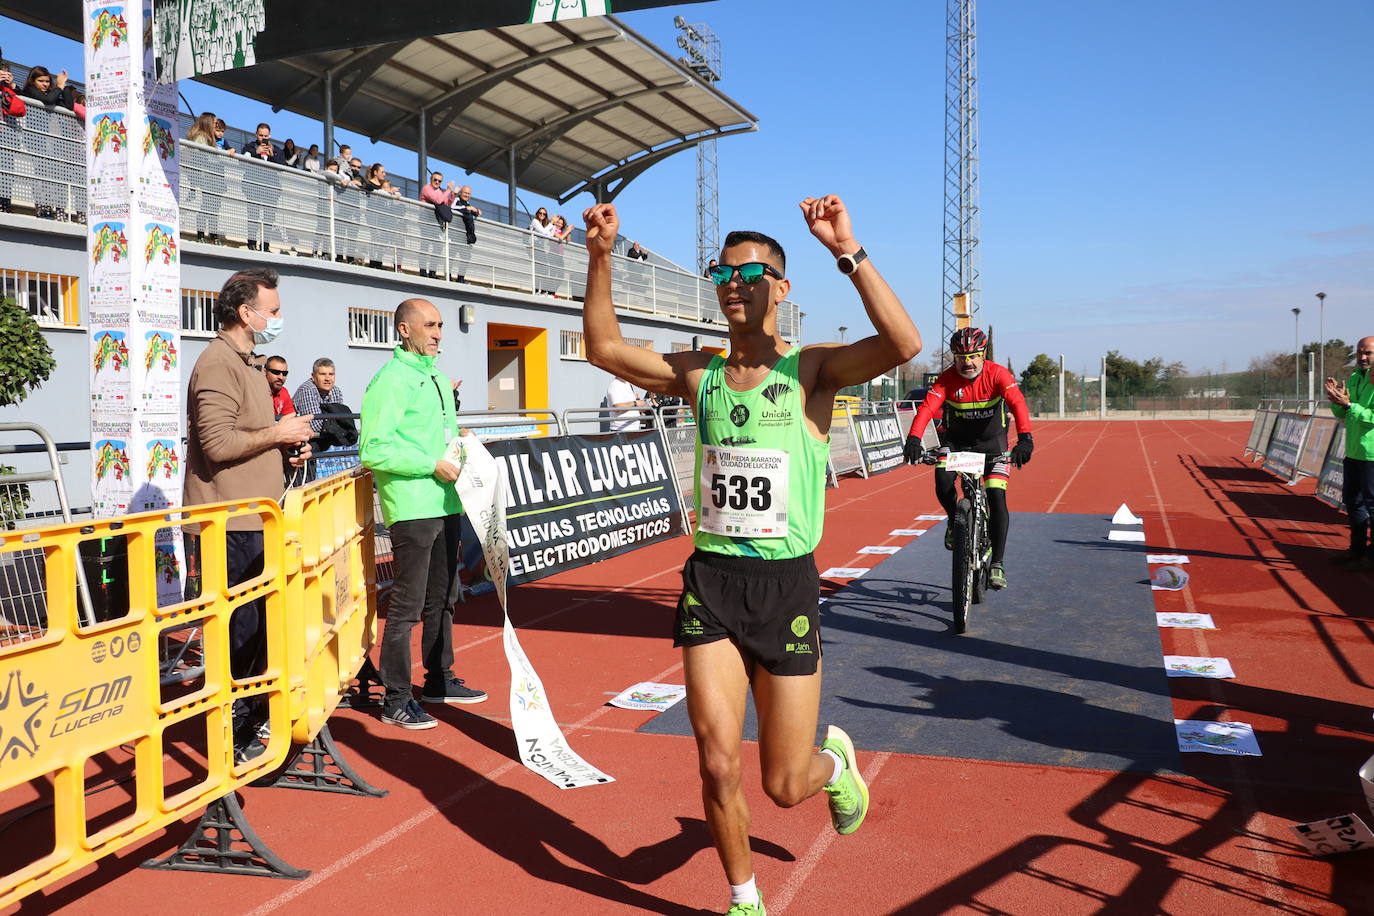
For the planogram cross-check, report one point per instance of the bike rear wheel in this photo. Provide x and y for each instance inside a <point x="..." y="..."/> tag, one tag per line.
<point x="964" y="566"/>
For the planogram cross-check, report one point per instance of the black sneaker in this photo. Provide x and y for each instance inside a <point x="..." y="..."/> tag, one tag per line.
<point x="408" y="714"/>
<point x="451" y="691"/>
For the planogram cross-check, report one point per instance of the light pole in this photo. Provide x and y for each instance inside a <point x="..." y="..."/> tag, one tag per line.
<point x="1321" y="336"/>
<point x="1297" y="355"/>
<point x="842" y="330"/>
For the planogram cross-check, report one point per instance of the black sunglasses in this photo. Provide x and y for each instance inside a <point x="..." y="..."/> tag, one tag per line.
<point x="749" y="274"/>
<point x="281" y="372"/>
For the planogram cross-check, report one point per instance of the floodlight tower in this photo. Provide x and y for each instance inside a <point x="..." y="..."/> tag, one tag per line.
<point x="703" y="58"/>
<point x="960" y="285"/>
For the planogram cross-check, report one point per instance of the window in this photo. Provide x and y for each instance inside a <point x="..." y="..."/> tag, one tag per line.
<point x="371" y="327"/>
<point x="198" y="312"/>
<point x="639" y="342"/>
<point x="52" y="299"/>
<point x="571" y="345"/>
<point x="680" y="347"/>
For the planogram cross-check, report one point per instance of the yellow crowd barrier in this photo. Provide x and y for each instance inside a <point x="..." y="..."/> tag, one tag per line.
<point x="78" y="702"/>
<point x="331" y="589"/>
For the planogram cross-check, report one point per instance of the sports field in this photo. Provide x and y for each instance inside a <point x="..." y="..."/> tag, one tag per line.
<point x="1027" y="767"/>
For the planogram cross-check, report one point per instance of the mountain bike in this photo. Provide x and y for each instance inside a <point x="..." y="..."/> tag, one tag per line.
<point x="972" y="555"/>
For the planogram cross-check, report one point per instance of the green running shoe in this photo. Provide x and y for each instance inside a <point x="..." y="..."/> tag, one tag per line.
<point x="997" y="576"/>
<point x="748" y="909"/>
<point x="849" y="794"/>
<point x="949" y="537"/>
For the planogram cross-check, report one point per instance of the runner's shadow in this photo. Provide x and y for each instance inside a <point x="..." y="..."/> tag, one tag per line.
<point x="518" y="828"/>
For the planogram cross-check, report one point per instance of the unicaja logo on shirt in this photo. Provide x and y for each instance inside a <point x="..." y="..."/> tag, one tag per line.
<point x="775" y="391"/>
<point x="739" y="415"/>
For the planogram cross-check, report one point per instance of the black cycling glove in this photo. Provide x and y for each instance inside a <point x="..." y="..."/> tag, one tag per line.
<point x="911" y="452"/>
<point x="1021" y="451"/>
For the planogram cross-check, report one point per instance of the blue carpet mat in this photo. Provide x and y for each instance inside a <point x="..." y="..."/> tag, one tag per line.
<point x="1063" y="668"/>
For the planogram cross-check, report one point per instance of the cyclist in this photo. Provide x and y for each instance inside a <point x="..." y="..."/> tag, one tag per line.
<point x="973" y="396"/>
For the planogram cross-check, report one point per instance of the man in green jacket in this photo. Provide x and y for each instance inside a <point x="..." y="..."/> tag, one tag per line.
<point x="1353" y="401"/>
<point x="407" y="423"/>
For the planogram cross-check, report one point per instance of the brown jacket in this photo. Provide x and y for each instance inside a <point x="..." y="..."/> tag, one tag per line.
<point x="226" y="399"/>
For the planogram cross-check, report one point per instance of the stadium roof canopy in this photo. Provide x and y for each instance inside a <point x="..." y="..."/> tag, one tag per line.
<point x="554" y="108"/>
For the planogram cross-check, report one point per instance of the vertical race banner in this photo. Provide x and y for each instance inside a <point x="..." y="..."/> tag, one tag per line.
<point x="543" y="749"/>
<point x="134" y="276"/>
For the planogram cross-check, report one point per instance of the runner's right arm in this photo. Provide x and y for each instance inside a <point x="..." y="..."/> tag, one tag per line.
<point x="672" y="373"/>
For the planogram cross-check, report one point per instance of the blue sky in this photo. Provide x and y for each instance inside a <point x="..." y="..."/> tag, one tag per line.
<point x="1165" y="180"/>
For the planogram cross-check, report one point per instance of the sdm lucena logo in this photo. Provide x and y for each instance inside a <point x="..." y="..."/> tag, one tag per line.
<point x="160" y="349"/>
<point x="110" y="131"/>
<point x="111" y="459"/>
<point x="111" y="350"/>
<point x="159" y="137"/>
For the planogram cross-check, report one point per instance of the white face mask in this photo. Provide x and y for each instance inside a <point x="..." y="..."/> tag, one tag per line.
<point x="269" y="333"/>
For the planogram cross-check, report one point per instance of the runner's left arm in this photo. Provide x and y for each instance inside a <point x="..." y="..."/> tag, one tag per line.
<point x="897" y="339"/>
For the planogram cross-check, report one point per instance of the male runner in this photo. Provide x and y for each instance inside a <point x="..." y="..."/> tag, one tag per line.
<point x="748" y="616"/>
<point x="974" y="395"/>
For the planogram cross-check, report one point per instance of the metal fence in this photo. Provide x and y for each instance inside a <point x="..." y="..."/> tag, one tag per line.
<point x="241" y="200"/>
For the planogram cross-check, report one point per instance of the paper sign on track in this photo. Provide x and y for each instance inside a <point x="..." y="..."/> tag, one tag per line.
<point x="1126" y="536"/>
<point x="886" y="550"/>
<point x="906" y="532"/>
<point x="1186" y="621"/>
<point x="1168" y="579"/>
<point x="1236" y="738"/>
<point x="843" y="572"/>
<point x="1346" y="833"/>
<point x="1177" y="559"/>
<point x="1124" y="516"/>
<point x="542" y="746"/>
<point x="649" y="695"/>
<point x="1197" y="666"/>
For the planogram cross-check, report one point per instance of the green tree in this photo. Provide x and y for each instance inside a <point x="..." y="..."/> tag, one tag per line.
<point x="1040" y="378"/>
<point x="25" y="363"/>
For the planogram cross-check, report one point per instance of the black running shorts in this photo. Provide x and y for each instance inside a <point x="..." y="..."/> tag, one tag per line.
<point x="768" y="607"/>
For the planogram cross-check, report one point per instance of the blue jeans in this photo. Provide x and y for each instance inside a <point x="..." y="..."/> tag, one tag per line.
<point x="426" y="555"/>
<point x="1357" y="492"/>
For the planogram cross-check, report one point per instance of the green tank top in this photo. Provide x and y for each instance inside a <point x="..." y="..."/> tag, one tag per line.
<point x="753" y="507"/>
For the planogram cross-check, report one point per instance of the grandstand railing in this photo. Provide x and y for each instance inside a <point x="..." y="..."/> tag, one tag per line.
<point x="241" y="200"/>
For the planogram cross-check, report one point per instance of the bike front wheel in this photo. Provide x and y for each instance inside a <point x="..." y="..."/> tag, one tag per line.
<point x="965" y="566"/>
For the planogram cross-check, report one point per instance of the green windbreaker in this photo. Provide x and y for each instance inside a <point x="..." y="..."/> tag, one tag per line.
<point x="1359" y="417"/>
<point x="407" y="421"/>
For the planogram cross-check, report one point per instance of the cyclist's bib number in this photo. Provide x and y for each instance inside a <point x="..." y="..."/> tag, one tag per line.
<point x="743" y="492"/>
<point x="966" y="463"/>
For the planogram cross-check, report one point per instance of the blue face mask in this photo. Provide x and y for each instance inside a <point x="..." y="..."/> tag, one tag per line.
<point x="269" y="333"/>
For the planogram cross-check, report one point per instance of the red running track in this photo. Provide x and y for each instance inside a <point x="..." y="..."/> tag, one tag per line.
<point x="467" y="830"/>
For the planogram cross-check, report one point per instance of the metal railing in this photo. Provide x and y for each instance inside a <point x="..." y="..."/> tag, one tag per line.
<point x="241" y="200"/>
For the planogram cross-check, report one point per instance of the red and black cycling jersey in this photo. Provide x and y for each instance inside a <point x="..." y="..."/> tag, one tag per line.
<point x="974" y="411"/>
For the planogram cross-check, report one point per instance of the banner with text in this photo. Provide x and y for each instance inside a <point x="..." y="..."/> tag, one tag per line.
<point x="574" y="500"/>
<point x="880" y="440"/>
<point x="1331" y="480"/>
<point x="1285" y="444"/>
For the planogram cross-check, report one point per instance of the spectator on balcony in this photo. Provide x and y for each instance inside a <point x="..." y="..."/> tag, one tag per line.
<point x="261" y="146"/>
<point x="707" y="272"/>
<point x="468" y="212"/>
<point x="220" y="141"/>
<point x="440" y="198"/>
<point x="332" y="174"/>
<point x="345" y="161"/>
<point x="561" y="230"/>
<point x="540" y="224"/>
<point x="375" y="181"/>
<point x="291" y="154"/>
<point x="11" y="105"/>
<point x="637" y="253"/>
<point x="49" y="89"/>
<point x="312" y="161"/>
<point x="203" y="130"/>
<point x="355" y="172"/>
